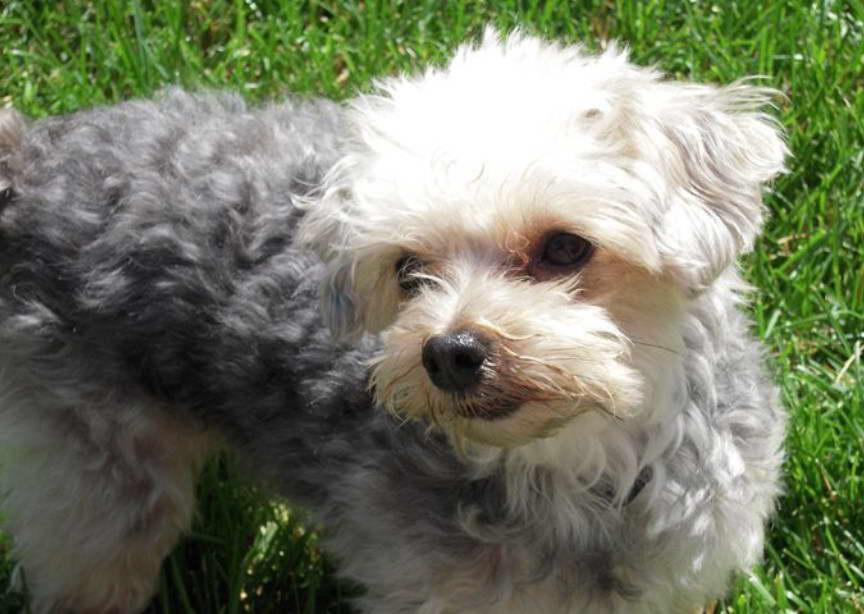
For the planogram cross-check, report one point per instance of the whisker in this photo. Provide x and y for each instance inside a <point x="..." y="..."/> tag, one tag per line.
<point x="656" y="346"/>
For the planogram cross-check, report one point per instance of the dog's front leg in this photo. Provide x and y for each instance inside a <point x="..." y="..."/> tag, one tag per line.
<point x="95" y="496"/>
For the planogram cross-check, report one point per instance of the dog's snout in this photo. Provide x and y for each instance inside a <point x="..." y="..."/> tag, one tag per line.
<point x="454" y="361"/>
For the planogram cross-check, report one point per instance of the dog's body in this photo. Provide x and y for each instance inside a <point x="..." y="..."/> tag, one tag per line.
<point x="604" y="440"/>
<point x="149" y="289"/>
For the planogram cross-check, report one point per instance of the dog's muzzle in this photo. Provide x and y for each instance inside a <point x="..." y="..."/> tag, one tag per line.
<point x="455" y="361"/>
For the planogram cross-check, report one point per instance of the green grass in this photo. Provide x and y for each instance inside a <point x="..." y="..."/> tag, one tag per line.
<point x="247" y="554"/>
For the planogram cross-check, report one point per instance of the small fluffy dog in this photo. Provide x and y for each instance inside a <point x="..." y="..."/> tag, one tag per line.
<point x="546" y="241"/>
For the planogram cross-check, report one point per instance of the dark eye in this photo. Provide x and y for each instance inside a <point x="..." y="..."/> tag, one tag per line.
<point x="407" y="270"/>
<point x="566" y="250"/>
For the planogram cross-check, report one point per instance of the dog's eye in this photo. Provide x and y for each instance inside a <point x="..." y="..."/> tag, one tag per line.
<point x="566" y="250"/>
<point x="407" y="270"/>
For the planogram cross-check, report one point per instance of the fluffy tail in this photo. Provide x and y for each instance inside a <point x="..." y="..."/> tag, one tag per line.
<point x="12" y="127"/>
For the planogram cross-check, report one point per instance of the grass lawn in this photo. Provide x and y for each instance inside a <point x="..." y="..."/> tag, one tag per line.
<point x="247" y="554"/>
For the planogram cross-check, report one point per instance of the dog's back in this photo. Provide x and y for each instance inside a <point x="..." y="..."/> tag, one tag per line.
<point x="120" y="220"/>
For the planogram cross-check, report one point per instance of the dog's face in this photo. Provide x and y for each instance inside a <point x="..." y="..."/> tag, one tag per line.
<point x="526" y="227"/>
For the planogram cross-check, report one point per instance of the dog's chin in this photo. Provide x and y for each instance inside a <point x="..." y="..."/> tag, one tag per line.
<point x="512" y="426"/>
<point x="507" y="424"/>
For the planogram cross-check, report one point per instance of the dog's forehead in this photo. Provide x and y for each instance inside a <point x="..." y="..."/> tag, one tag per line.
<point x="505" y="143"/>
<point x="516" y="216"/>
<point x="448" y="201"/>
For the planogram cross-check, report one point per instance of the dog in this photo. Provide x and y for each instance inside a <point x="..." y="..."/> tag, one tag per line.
<point x="539" y="391"/>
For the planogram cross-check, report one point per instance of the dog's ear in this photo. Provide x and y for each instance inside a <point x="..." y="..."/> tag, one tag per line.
<point x="359" y="292"/>
<point x="340" y="305"/>
<point x="325" y="229"/>
<point x="717" y="150"/>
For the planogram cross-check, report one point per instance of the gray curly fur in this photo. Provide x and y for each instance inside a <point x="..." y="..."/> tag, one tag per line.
<point x="146" y="253"/>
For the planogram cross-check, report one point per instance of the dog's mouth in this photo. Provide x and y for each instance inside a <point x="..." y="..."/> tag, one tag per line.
<point x="503" y="408"/>
<point x="484" y="384"/>
<point x="489" y="410"/>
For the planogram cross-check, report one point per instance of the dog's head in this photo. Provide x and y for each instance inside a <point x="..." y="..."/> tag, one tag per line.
<point x="527" y="224"/>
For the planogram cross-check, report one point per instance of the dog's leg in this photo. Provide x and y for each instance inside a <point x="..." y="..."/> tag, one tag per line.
<point x="95" y="497"/>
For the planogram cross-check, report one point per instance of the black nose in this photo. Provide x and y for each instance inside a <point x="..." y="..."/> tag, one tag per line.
<point x="455" y="361"/>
